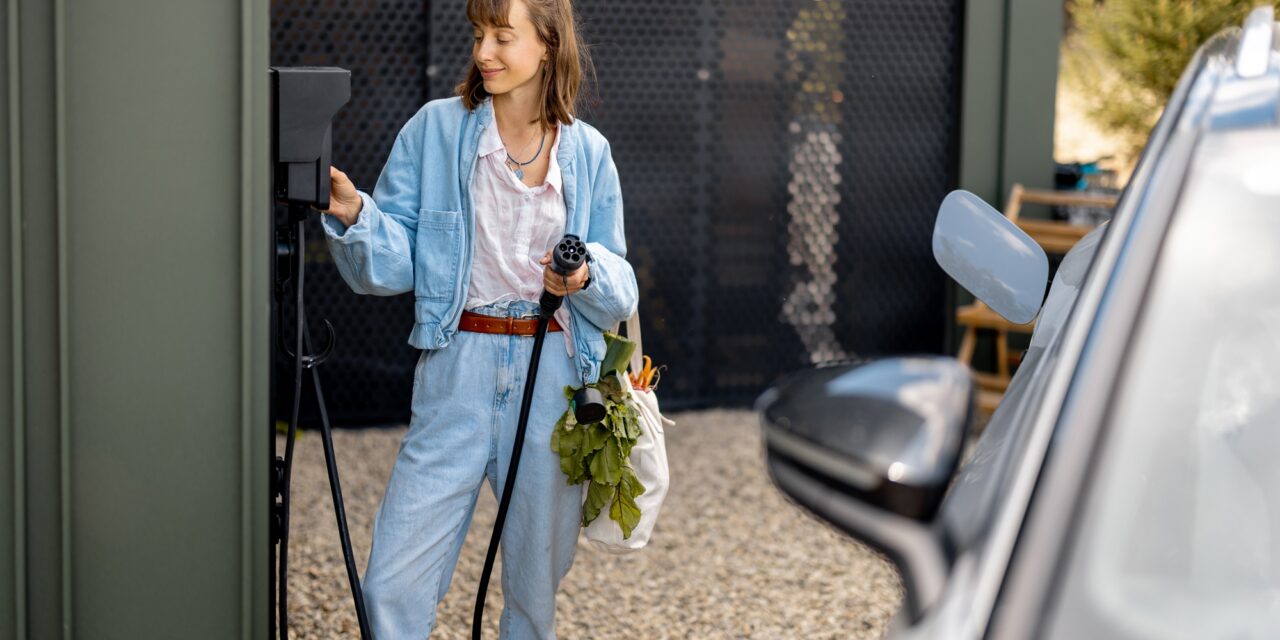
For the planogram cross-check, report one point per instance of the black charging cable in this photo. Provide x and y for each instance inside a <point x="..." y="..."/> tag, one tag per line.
<point x="296" y="245"/>
<point x="567" y="257"/>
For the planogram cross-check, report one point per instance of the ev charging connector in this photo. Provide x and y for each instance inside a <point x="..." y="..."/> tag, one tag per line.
<point x="569" y="254"/>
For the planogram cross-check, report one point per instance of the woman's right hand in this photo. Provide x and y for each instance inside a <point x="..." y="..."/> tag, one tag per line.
<point x="344" y="201"/>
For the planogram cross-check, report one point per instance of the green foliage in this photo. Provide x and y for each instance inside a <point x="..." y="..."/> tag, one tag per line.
<point x="617" y="354"/>
<point x="599" y="453"/>
<point x="1128" y="55"/>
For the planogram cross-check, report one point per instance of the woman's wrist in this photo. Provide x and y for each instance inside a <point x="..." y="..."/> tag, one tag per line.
<point x="354" y="217"/>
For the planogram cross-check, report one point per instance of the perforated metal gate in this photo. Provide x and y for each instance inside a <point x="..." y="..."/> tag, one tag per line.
<point x="781" y="164"/>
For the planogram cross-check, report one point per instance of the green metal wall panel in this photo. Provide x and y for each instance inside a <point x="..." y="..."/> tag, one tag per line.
<point x="155" y="286"/>
<point x="152" y="118"/>
<point x="11" y="544"/>
<point x="257" y="428"/>
<point x="982" y="98"/>
<point x="1010" y="82"/>
<point x="1033" y="33"/>
<point x="135" y="319"/>
<point x="38" y="315"/>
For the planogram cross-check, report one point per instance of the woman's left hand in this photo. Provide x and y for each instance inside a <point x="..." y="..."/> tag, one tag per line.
<point x="558" y="284"/>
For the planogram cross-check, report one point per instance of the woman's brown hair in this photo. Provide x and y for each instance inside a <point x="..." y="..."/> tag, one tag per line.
<point x="569" y="60"/>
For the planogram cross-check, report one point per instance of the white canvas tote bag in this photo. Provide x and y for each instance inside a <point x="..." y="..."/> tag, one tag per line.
<point x="648" y="460"/>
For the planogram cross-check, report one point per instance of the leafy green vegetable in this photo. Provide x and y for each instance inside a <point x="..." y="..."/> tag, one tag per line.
<point x="624" y="510"/>
<point x="599" y="453"/>
<point x="598" y="497"/>
<point x="597" y="437"/>
<point x="618" y="351"/>
<point x="606" y="466"/>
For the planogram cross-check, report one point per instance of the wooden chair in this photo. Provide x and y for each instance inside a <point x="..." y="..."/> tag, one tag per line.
<point x="1055" y="237"/>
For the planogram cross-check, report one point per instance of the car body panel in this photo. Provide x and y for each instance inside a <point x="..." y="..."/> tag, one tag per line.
<point x="1067" y="376"/>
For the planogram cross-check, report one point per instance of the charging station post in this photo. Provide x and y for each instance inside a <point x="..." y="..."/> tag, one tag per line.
<point x="304" y="101"/>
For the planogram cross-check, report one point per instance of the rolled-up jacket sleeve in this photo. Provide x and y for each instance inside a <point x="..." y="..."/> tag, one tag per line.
<point x="612" y="295"/>
<point x="375" y="255"/>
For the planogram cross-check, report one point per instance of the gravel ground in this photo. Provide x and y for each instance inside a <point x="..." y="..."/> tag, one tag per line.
<point x="730" y="558"/>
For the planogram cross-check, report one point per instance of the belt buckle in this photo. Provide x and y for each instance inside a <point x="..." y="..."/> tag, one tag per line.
<point x="532" y="315"/>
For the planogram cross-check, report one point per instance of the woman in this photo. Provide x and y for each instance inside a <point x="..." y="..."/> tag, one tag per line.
<point x="476" y="191"/>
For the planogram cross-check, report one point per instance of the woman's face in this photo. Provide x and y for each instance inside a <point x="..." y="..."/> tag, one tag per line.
<point x="509" y="58"/>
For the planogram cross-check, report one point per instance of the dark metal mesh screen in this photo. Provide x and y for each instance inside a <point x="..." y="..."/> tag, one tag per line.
<point x="383" y="43"/>
<point x="781" y="162"/>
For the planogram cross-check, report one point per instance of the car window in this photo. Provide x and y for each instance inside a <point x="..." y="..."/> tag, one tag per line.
<point x="1180" y="533"/>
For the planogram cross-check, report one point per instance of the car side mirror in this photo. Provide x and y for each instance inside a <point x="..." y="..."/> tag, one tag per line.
<point x="871" y="448"/>
<point x="990" y="256"/>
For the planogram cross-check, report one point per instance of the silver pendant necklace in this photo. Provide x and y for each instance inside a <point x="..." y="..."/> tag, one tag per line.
<point x="518" y="167"/>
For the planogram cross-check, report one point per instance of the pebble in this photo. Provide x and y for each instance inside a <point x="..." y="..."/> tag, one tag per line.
<point x="731" y="556"/>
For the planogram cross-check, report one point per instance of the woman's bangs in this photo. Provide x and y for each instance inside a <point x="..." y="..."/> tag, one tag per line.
<point x="489" y="13"/>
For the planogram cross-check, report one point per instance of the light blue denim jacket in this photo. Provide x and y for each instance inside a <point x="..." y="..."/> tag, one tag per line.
<point x="415" y="232"/>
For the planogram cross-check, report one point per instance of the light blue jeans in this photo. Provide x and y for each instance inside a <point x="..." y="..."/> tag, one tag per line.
<point x="466" y="401"/>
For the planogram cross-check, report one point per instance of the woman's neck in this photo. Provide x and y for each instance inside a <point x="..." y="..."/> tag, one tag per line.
<point x="517" y="112"/>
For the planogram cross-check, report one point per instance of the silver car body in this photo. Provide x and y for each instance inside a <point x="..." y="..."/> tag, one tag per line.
<point x="1031" y="494"/>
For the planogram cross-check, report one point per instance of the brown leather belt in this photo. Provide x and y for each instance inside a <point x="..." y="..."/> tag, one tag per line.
<point x="512" y="326"/>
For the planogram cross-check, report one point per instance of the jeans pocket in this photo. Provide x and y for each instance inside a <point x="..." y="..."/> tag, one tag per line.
<point x="439" y="252"/>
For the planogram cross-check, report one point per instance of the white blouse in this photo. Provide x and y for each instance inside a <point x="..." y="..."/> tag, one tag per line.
<point x="515" y="226"/>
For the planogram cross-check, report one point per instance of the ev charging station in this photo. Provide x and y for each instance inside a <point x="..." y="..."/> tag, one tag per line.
<point x="303" y="103"/>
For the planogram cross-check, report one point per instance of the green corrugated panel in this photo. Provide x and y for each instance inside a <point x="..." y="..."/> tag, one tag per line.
<point x="1031" y="83"/>
<point x="982" y="102"/>
<point x="1009" y="84"/>
<point x="158" y="320"/>
<point x="38" y="316"/>
<point x="138" y="292"/>
<point x="12" y="555"/>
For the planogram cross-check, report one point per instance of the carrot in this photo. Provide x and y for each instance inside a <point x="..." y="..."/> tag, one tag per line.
<point x="644" y="378"/>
